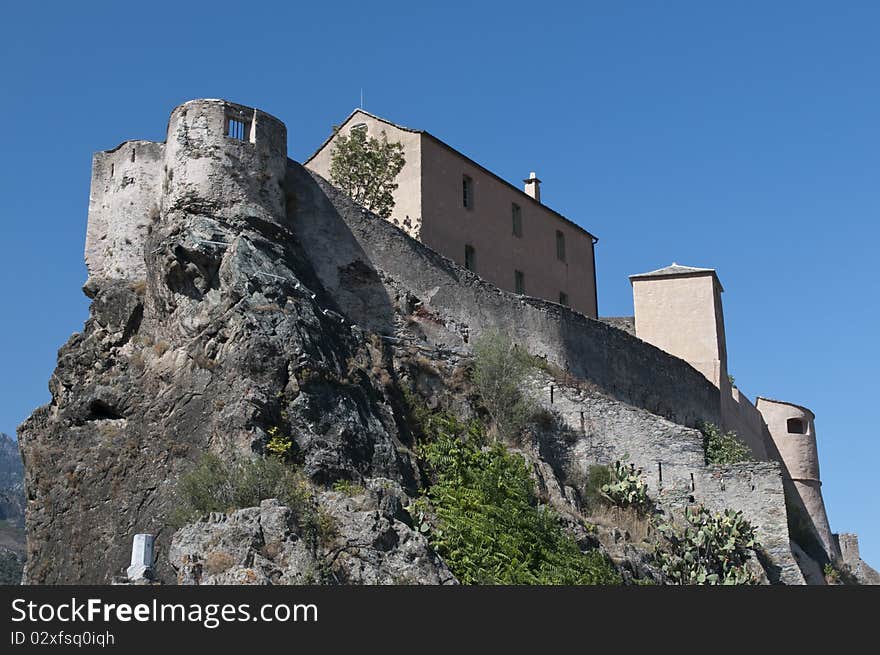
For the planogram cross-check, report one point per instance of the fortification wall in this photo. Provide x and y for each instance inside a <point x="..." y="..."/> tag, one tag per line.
<point x="625" y="323"/>
<point x="756" y="489"/>
<point x="123" y="202"/>
<point x="209" y="171"/>
<point x="625" y="367"/>
<point x="202" y="168"/>
<point x="598" y="429"/>
<point x="739" y="415"/>
<point x="793" y="432"/>
<point x="602" y="430"/>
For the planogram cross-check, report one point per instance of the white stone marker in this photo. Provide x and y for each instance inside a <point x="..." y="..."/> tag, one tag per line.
<point x="141" y="556"/>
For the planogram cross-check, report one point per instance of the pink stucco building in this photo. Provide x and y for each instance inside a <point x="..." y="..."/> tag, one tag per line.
<point x="464" y="211"/>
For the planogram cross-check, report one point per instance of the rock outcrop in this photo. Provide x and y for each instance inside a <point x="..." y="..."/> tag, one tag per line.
<point x="368" y="539"/>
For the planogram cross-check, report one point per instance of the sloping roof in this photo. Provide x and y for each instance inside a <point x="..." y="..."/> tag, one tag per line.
<point x="784" y="402"/>
<point x="677" y="270"/>
<point x="523" y="194"/>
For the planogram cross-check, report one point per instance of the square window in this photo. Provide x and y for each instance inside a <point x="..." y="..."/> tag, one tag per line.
<point x="563" y="298"/>
<point x="796" y="426"/>
<point x="519" y="282"/>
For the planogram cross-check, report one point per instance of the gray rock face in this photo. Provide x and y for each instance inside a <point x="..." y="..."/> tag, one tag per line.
<point x="228" y="335"/>
<point x="365" y="542"/>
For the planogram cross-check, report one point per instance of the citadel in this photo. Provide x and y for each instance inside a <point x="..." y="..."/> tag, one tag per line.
<point x="464" y="252"/>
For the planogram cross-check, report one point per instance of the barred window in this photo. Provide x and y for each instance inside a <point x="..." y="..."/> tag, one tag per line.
<point x="235" y="128"/>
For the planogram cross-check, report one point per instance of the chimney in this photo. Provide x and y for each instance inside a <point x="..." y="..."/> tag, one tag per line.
<point x="533" y="186"/>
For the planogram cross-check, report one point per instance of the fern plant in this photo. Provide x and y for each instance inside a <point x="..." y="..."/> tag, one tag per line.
<point x="481" y="515"/>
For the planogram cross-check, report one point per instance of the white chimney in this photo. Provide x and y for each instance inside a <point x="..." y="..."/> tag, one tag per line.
<point x="533" y="186"/>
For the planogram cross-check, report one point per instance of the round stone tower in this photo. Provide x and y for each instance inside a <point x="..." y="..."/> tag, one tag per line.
<point x="793" y="431"/>
<point x="224" y="159"/>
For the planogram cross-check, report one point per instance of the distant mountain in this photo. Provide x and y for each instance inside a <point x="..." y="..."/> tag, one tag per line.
<point x="11" y="469"/>
<point x="12" y="503"/>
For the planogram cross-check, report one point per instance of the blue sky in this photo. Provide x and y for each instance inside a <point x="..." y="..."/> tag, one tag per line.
<point x="740" y="136"/>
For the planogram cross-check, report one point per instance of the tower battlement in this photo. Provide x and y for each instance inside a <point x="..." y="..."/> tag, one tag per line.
<point x="218" y="156"/>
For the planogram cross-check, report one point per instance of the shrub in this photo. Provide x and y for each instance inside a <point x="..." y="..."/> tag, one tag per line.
<point x="482" y="517"/>
<point x="598" y="475"/>
<point x="500" y="369"/>
<point x="711" y="550"/>
<point x="215" y="485"/>
<point x="279" y="444"/>
<point x="723" y="447"/>
<point x="838" y="573"/>
<point x="349" y="488"/>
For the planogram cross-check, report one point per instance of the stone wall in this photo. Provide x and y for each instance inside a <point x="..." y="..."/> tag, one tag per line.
<point x="740" y="415"/>
<point x="597" y="429"/>
<point x="198" y="169"/>
<point x="625" y="323"/>
<point x="123" y="203"/>
<point x="625" y="367"/>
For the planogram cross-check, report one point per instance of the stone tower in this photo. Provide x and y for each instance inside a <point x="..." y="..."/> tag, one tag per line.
<point x="793" y="430"/>
<point x="678" y="309"/>
<point x="219" y="159"/>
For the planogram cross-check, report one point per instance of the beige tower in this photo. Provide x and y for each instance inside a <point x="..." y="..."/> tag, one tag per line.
<point x="794" y="433"/>
<point x="678" y="309"/>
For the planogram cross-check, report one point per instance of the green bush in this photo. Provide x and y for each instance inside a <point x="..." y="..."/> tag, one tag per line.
<point x="500" y="369"/>
<point x="838" y="573"/>
<point x="279" y="445"/>
<point x="598" y="475"/>
<point x="349" y="488"/>
<point x="481" y="515"/>
<point x="711" y="550"/>
<point x="723" y="447"/>
<point x="216" y="485"/>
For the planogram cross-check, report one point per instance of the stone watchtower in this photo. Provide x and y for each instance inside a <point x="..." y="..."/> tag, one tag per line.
<point x="219" y="158"/>
<point x="678" y="309"/>
<point x="794" y="433"/>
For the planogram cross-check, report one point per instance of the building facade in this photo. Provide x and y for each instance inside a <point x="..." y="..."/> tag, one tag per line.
<point x="467" y="213"/>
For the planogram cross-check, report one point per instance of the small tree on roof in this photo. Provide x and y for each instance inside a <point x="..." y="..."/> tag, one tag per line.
<point x="365" y="168"/>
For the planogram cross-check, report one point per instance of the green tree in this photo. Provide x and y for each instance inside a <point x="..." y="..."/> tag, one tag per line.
<point x="365" y="168"/>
